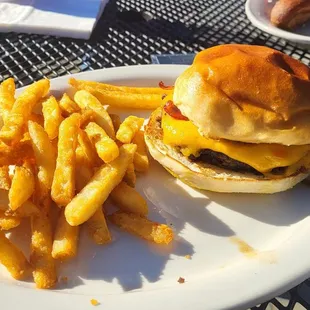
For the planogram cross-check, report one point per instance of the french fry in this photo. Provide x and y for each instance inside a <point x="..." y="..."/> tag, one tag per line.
<point x="87" y="116"/>
<point x="8" y="222"/>
<point x="82" y="84"/>
<point x="130" y="101"/>
<point x="84" y="205"/>
<point x="140" y="160"/>
<point x="116" y="121"/>
<point x="5" y="181"/>
<point x="128" y="128"/>
<point x="98" y="228"/>
<point x="68" y="105"/>
<point x="85" y="100"/>
<point x="86" y="159"/>
<point x="44" y="153"/>
<point x="85" y="151"/>
<point x="22" y="187"/>
<point x="65" y="239"/>
<point x="17" y="154"/>
<point x="123" y="97"/>
<point x="142" y="227"/>
<point x="12" y="129"/>
<point x="7" y="92"/>
<point x="38" y="118"/>
<point x="63" y="186"/>
<point x="130" y="175"/>
<point x="13" y="259"/>
<point x="106" y="148"/>
<point x="83" y="175"/>
<point x="129" y="200"/>
<point x="27" y="209"/>
<point x="44" y="273"/>
<point x="52" y="117"/>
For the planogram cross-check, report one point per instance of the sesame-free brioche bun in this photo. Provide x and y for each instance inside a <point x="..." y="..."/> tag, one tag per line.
<point x="205" y="176"/>
<point x="245" y="93"/>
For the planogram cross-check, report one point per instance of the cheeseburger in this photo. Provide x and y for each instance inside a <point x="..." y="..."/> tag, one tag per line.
<point x="238" y="121"/>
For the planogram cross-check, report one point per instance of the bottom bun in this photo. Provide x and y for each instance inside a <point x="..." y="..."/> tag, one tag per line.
<point x="205" y="176"/>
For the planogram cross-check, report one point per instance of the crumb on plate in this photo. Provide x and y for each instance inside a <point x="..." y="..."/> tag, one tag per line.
<point x="94" y="302"/>
<point x="64" y="279"/>
<point x="187" y="256"/>
<point x="181" y="280"/>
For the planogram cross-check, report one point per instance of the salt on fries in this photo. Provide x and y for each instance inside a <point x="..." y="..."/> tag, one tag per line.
<point x="72" y="157"/>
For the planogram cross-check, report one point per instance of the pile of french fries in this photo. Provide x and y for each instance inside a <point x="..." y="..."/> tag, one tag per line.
<point x="70" y="157"/>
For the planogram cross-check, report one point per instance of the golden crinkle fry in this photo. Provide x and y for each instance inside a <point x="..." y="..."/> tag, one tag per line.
<point x="106" y="148"/>
<point x="13" y="259"/>
<point x="84" y="205"/>
<point x="123" y="96"/>
<point x="68" y="105"/>
<point x="98" y="228"/>
<point x="52" y="117"/>
<point x="14" y="123"/>
<point x="8" y="222"/>
<point x="41" y="259"/>
<point x="130" y="175"/>
<point x="22" y="187"/>
<point x="66" y="154"/>
<point x="85" y="100"/>
<point x="140" y="160"/>
<point x="116" y="120"/>
<point x="44" y="153"/>
<point x="7" y="99"/>
<point x="65" y="239"/>
<point x="129" y="200"/>
<point x="142" y="227"/>
<point x="17" y="154"/>
<point x="63" y="187"/>
<point x="27" y="209"/>
<point x="5" y="181"/>
<point x="128" y="128"/>
<point x="85" y="151"/>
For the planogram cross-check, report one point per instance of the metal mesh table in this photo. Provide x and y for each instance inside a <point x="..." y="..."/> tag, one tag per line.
<point x="128" y="33"/>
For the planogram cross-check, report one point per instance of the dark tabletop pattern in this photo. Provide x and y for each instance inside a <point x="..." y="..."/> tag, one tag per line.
<point x="128" y="33"/>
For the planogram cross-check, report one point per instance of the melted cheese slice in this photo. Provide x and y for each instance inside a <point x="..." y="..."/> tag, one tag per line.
<point x="262" y="157"/>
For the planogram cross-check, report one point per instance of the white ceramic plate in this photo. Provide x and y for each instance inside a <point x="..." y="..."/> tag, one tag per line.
<point x="133" y="274"/>
<point x="257" y="12"/>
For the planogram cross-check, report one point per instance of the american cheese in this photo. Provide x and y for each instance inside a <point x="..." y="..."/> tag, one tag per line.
<point x="262" y="157"/>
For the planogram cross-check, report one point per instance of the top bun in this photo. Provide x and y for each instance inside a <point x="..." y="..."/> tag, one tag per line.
<point x="246" y="93"/>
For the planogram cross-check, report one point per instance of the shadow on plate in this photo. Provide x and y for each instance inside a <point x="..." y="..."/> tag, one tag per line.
<point x="131" y="261"/>
<point x="280" y="209"/>
<point x="180" y="206"/>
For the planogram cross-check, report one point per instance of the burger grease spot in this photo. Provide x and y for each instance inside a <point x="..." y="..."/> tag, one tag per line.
<point x="244" y="247"/>
<point x="248" y="251"/>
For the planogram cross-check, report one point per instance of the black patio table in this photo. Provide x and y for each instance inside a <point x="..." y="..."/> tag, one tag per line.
<point x="128" y="33"/>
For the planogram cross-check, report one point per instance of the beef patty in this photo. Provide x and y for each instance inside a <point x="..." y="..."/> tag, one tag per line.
<point x="223" y="161"/>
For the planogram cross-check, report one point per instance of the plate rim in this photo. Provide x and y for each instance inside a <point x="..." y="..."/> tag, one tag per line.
<point x="194" y="292"/>
<point x="272" y="30"/>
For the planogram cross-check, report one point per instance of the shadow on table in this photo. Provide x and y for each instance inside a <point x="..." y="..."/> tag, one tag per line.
<point x="139" y="23"/>
<point x="187" y="31"/>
